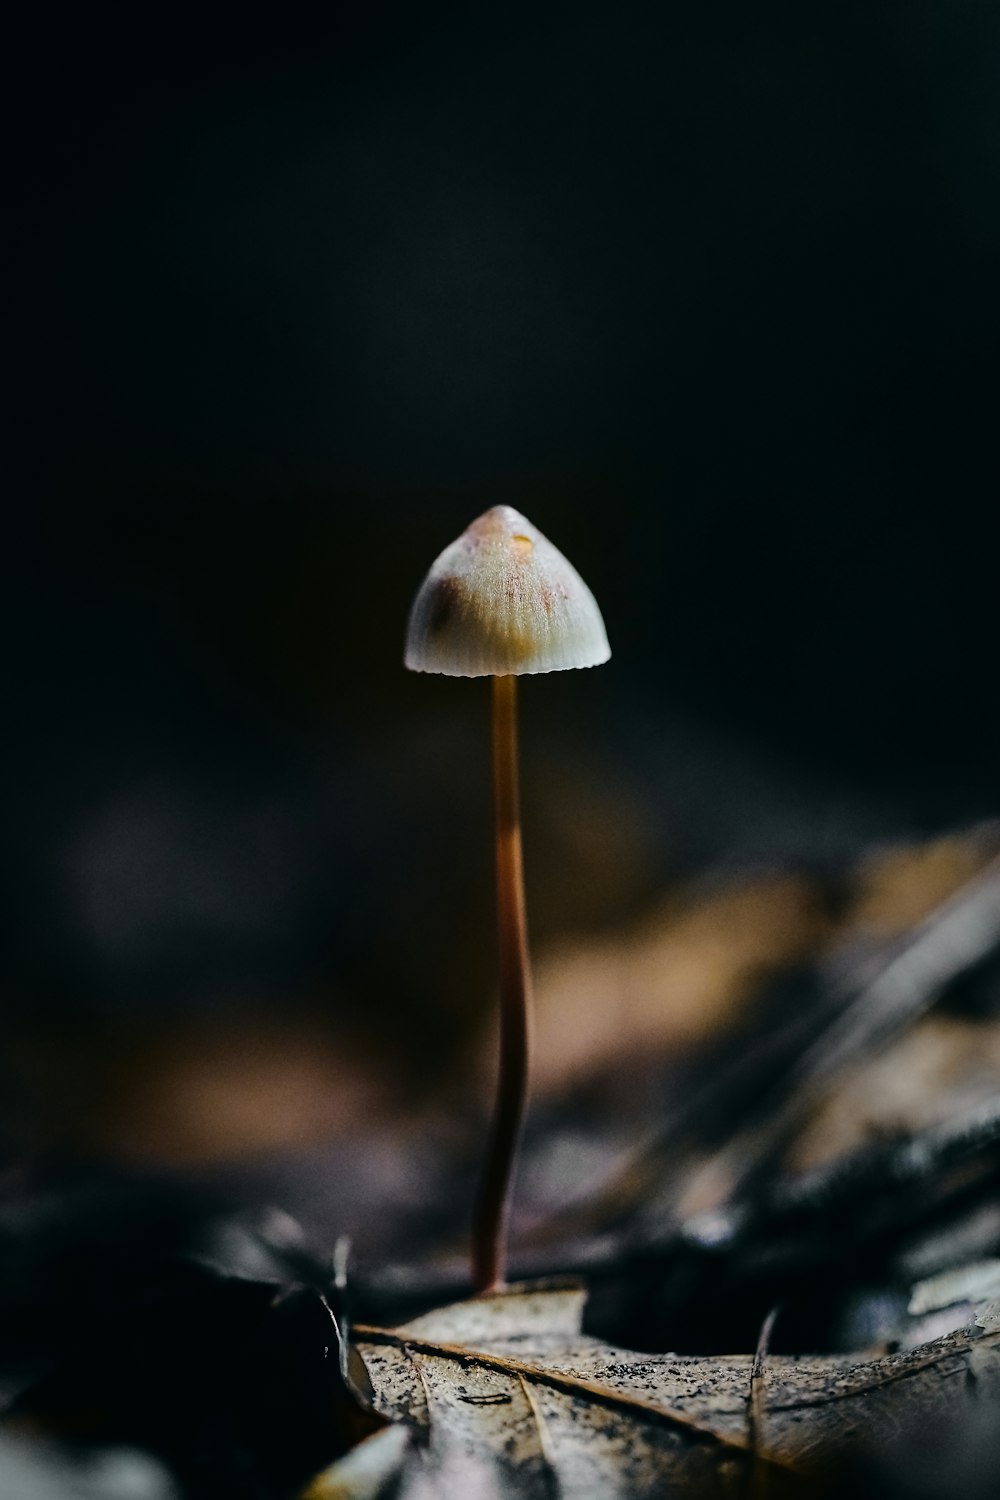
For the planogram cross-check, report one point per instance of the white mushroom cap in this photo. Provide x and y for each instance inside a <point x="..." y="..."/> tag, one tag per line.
<point x="502" y="601"/>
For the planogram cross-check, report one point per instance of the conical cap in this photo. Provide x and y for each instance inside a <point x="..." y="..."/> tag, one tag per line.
<point x="503" y="601"/>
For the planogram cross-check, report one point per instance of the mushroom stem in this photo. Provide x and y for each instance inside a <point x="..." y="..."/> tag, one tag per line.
<point x="490" y="1224"/>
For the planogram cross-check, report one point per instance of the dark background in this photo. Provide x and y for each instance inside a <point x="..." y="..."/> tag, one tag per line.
<point x="709" y="292"/>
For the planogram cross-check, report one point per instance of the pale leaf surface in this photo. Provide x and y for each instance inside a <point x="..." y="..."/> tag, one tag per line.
<point x="512" y="1380"/>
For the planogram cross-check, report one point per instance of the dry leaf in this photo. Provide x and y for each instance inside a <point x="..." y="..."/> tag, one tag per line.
<point x="511" y="1378"/>
<point x="365" y="1472"/>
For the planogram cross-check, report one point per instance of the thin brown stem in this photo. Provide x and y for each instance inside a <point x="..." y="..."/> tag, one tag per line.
<point x="489" y="1250"/>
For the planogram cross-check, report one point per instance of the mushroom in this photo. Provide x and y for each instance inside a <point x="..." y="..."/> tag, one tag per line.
<point x="502" y="602"/>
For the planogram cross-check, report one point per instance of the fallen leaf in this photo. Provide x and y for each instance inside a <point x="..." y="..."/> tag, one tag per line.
<point x="512" y="1380"/>
<point x="365" y="1471"/>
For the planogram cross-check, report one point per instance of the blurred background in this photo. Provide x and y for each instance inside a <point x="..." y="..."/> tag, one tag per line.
<point x="712" y="296"/>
